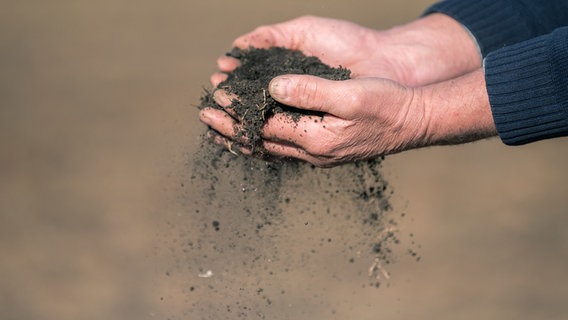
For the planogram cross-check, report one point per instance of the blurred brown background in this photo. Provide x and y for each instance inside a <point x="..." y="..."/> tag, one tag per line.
<point x="96" y="122"/>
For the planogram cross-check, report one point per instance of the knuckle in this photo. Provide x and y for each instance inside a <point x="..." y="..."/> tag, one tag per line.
<point x="355" y="98"/>
<point x="308" y="92"/>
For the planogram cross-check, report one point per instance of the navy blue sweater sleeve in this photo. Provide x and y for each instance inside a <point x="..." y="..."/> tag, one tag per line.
<point x="525" y="45"/>
<point x="498" y="23"/>
<point x="527" y="84"/>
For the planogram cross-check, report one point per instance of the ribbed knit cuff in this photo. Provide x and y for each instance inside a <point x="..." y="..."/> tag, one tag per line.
<point x="493" y="23"/>
<point x="527" y="84"/>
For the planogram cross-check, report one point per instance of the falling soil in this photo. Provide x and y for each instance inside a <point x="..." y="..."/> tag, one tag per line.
<point x="251" y="225"/>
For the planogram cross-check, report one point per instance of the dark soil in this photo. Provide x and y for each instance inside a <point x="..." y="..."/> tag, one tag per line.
<point x="262" y="221"/>
<point x="250" y="83"/>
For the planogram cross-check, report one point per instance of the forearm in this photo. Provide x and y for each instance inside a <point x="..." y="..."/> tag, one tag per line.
<point x="438" y="47"/>
<point x="457" y="111"/>
<point x="521" y="95"/>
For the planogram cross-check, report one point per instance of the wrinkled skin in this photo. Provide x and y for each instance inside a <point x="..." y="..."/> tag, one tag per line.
<point x="396" y="100"/>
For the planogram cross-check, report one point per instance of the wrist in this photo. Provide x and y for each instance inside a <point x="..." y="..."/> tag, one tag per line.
<point x="434" y="48"/>
<point x="457" y="111"/>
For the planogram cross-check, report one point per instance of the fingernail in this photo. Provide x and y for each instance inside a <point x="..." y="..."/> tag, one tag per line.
<point x="279" y="87"/>
<point x="222" y="98"/>
<point x="204" y="117"/>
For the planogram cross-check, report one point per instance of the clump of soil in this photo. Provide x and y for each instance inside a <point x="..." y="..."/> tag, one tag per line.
<point x="250" y="83"/>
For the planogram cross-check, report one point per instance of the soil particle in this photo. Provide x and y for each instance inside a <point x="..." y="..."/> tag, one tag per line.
<point x="270" y="215"/>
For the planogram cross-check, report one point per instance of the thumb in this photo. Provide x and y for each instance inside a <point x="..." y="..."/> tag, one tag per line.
<point x="310" y="92"/>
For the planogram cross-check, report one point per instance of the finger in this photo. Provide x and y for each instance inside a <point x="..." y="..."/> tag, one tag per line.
<point x="307" y="132"/>
<point x="217" y="78"/>
<point x="227" y="64"/>
<point x="314" y="93"/>
<point x="219" y="121"/>
<point x="283" y="150"/>
<point x="281" y="127"/>
<point x="233" y="147"/>
<point x="225" y="100"/>
<point x="261" y="37"/>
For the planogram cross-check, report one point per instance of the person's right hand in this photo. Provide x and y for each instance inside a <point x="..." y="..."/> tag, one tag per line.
<point x="425" y="51"/>
<point x="366" y="118"/>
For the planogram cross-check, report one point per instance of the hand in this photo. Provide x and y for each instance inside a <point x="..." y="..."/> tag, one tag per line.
<point x="369" y="117"/>
<point x="429" y="50"/>
<point x="425" y="51"/>
<point x="362" y="119"/>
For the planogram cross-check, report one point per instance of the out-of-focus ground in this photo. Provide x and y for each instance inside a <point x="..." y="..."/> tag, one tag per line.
<point x="97" y="120"/>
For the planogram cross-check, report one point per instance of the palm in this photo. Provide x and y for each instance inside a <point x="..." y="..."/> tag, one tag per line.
<point x="335" y="42"/>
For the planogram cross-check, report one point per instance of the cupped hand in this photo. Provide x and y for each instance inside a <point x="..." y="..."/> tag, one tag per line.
<point x="364" y="51"/>
<point x="428" y="50"/>
<point x="373" y="114"/>
<point x="334" y="42"/>
<point x="368" y="117"/>
<point x="362" y="118"/>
